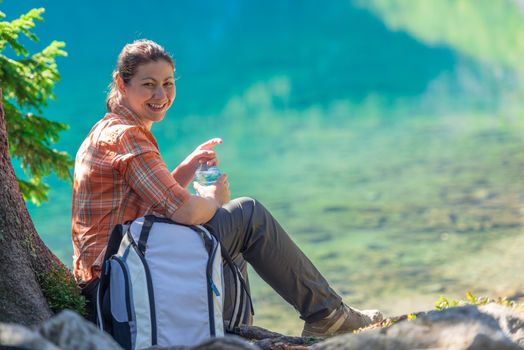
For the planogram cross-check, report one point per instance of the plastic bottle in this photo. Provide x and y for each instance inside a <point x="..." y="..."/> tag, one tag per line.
<point x="207" y="175"/>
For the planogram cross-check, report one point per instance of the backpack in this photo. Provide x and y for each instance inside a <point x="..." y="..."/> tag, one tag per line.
<point x="162" y="284"/>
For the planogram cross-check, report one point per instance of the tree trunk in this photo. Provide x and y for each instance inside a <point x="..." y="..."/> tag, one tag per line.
<point x="23" y="255"/>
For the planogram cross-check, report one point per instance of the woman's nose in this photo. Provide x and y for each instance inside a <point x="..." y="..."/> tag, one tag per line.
<point x="159" y="92"/>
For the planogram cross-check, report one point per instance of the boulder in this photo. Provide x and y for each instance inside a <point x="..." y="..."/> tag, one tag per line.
<point x="511" y="322"/>
<point x="221" y="343"/>
<point x="69" y="330"/>
<point x="491" y="327"/>
<point x="20" y="336"/>
<point x="488" y="327"/>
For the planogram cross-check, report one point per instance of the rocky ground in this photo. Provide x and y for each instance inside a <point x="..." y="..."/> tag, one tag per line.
<point x="486" y="327"/>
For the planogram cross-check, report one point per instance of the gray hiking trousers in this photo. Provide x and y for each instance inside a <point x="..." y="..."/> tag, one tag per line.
<point x="250" y="233"/>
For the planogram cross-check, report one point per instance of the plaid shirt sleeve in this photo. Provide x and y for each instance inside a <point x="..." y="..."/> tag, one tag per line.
<point x="143" y="169"/>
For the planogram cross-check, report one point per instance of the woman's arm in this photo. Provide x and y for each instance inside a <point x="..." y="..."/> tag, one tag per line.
<point x="184" y="173"/>
<point x="199" y="210"/>
<point x="195" y="211"/>
<point x="149" y="178"/>
<point x="146" y="173"/>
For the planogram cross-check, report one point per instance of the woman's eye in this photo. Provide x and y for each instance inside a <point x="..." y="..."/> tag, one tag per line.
<point x="148" y="84"/>
<point x="169" y="83"/>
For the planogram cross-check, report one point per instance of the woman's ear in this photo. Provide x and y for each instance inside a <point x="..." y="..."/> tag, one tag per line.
<point x="120" y="85"/>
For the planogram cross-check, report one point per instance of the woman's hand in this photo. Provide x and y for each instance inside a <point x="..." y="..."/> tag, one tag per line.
<point x="200" y="209"/>
<point x="204" y="153"/>
<point x="218" y="191"/>
<point x="185" y="172"/>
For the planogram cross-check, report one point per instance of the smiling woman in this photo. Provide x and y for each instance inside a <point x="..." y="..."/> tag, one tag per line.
<point x="120" y="176"/>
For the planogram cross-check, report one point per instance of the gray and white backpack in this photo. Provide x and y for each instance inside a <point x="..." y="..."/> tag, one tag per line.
<point x="162" y="284"/>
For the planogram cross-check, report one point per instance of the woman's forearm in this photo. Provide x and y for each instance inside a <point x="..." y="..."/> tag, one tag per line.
<point x="196" y="210"/>
<point x="183" y="174"/>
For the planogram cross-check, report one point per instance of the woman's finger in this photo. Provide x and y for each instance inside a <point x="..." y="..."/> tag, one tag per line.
<point x="204" y="153"/>
<point x="213" y="162"/>
<point x="209" y="144"/>
<point x="207" y="155"/>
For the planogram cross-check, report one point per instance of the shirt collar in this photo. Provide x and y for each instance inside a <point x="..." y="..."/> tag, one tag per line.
<point x="126" y="112"/>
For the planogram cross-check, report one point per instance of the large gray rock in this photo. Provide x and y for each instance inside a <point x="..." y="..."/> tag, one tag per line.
<point x="21" y="336"/>
<point x="511" y="322"/>
<point x="70" y="331"/>
<point x="491" y="327"/>
<point x="220" y="343"/>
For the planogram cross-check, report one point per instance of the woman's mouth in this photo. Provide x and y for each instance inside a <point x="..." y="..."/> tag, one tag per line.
<point x="156" y="107"/>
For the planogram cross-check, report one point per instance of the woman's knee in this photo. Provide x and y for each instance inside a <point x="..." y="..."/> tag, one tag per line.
<point x="246" y="204"/>
<point x="251" y="206"/>
<point x="245" y="201"/>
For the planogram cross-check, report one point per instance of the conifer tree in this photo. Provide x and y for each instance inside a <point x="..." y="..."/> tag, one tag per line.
<point x="27" y="81"/>
<point x="34" y="283"/>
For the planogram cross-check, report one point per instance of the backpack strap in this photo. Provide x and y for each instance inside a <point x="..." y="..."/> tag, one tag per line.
<point x="241" y="290"/>
<point x="241" y="293"/>
<point x="114" y="241"/>
<point x="149" y="220"/>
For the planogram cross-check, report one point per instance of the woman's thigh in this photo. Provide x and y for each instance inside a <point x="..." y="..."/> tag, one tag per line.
<point x="231" y="222"/>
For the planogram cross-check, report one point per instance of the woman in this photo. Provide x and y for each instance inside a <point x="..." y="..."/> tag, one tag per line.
<point x="120" y="175"/>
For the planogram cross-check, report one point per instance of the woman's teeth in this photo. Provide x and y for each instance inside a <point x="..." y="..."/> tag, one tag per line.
<point x="156" y="107"/>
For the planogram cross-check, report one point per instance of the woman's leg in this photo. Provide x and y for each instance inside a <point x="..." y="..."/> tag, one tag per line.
<point x="246" y="228"/>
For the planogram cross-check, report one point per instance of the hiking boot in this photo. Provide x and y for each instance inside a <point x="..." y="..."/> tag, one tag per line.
<point x="343" y="319"/>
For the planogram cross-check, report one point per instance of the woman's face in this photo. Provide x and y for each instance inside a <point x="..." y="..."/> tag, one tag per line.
<point x="151" y="91"/>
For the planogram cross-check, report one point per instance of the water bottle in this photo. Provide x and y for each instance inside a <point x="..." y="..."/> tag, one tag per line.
<point x="207" y="175"/>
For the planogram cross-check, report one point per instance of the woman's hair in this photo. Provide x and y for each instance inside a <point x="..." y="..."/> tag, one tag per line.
<point x="131" y="57"/>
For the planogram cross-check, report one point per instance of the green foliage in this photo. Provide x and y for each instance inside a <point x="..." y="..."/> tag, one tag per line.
<point x="27" y="83"/>
<point x="61" y="290"/>
<point x="411" y="317"/>
<point x="388" y="322"/>
<point x="444" y="303"/>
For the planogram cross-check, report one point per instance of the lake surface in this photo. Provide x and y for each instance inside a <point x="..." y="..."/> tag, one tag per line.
<point x="389" y="145"/>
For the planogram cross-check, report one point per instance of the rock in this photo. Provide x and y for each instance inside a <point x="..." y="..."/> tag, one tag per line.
<point x="511" y="322"/>
<point x="268" y="340"/>
<point x="221" y="343"/>
<point x="364" y="341"/>
<point x="486" y="328"/>
<point x="226" y="343"/>
<point x="23" y="337"/>
<point x="69" y="330"/>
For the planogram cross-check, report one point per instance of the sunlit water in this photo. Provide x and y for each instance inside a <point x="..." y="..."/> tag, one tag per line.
<point x="394" y="163"/>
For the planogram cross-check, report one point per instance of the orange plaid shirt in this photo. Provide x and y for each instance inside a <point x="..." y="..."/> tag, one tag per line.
<point x="119" y="176"/>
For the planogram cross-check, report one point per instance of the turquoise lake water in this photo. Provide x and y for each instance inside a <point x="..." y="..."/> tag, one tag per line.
<point x="392" y="152"/>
